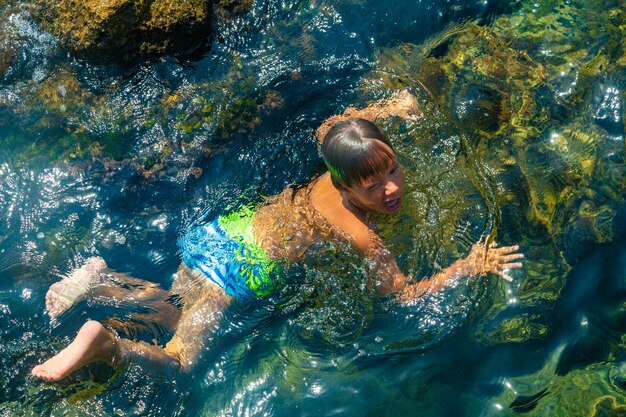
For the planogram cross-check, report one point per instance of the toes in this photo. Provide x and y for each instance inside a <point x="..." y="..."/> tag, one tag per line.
<point x="40" y="372"/>
<point x="47" y="376"/>
<point x="51" y="309"/>
<point x="53" y="306"/>
<point x="95" y="264"/>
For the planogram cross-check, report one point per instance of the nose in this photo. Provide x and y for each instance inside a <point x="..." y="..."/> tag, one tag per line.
<point x="391" y="187"/>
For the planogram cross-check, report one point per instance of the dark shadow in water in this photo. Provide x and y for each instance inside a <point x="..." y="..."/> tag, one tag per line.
<point x="590" y="309"/>
<point x="526" y="403"/>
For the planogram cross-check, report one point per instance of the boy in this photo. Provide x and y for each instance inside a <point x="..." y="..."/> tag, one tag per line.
<point x="237" y="255"/>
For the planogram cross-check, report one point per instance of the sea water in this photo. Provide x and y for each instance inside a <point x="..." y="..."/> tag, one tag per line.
<point x="522" y="142"/>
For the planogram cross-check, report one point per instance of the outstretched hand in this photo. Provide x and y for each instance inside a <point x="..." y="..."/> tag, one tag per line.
<point x="483" y="259"/>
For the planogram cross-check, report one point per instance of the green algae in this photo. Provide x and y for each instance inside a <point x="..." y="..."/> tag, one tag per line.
<point x="54" y="105"/>
<point x="520" y="90"/>
<point x="72" y="149"/>
<point x="506" y="89"/>
<point x="234" y="107"/>
<point x="519" y="329"/>
<point x="513" y="88"/>
<point x="585" y="392"/>
<point x="226" y="9"/>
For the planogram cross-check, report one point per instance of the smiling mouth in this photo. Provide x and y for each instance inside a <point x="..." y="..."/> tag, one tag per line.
<point x="392" y="205"/>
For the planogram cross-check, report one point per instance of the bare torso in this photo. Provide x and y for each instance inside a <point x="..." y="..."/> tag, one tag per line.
<point x="289" y="223"/>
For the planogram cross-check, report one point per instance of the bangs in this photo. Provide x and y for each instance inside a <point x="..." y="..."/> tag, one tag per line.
<point x="372" y="159"/>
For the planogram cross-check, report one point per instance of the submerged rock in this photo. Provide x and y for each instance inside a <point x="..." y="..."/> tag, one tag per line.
<point x="478" y="107"/>
<point x="126" y="30"/>
<point x="8" y="50"/>
<point x="7" y="60"/>
<point x="224" y="9"/>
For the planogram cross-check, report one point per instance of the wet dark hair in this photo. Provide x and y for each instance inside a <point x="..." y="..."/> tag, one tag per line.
<point x="354" y="150"/>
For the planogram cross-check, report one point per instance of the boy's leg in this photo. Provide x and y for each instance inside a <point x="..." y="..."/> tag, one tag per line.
<point x="204" y="304"/>
<point x="92" y="343"/>
<point x="95" y="280"/>
<point x="199" y="319"/>
<point x="74" y="287"/>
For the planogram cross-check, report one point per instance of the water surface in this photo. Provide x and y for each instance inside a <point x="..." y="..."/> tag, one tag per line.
<point x="522" y="140"/>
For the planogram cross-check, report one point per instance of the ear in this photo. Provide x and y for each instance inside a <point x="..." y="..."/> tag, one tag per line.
<point x="346" y="192"/>
<point x="339" y="186"/>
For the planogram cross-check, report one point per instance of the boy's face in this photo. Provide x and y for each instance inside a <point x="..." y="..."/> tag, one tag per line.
<point x="381" y="192"/>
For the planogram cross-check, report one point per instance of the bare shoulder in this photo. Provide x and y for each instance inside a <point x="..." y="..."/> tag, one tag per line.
<point x="327" y="201"/>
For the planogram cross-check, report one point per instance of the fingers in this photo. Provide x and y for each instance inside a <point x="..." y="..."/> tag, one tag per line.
<point x="506" y="277"/>
<point x="509" y="258"/>
<point x="502" y="260"/>
<point x="497" y="260"/>
<point x="505" y="249"/>
<point x="503" y="268"/>
<point x="504" y="254"/>
<point x="511" y="266"/>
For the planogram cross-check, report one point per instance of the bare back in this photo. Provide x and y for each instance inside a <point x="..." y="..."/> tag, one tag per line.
<point x="289" y="223"/>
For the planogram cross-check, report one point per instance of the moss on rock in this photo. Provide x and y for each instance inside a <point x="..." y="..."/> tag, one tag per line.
<point x="126" y="30"/>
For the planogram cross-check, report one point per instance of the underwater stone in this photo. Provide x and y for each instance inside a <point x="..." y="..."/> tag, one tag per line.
<point x="478" y="107"/>
<point x="590" y="224"/>
<point x="609" y="407"/>
<point x="7" y="58"/>
<point x="229" y="8"/>
<point x="126" y="30"/>
<point x="516" y="330"/>
<point x="8" y="54"/>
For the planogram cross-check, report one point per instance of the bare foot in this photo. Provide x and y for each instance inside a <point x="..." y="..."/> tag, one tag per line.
<point x="92" y="343"/>
<point x="403" y="104"/>
<point x="74" y="288"/>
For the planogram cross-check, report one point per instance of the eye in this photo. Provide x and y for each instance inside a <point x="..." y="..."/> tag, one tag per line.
<point x="394" y="169"/>
<point x="373" y="186"/>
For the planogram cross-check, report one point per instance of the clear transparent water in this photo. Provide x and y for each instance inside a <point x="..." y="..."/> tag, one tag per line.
<point x="103" y="160"/>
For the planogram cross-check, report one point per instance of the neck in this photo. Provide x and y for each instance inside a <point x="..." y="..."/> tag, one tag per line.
<point x="359" y="212"/>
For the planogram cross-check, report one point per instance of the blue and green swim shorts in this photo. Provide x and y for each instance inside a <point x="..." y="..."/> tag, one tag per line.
<point x="225" y="252"/>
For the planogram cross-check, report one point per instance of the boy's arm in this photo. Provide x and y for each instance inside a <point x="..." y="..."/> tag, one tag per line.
<point x="480" y="261"/>
<point x="402" y="104"/>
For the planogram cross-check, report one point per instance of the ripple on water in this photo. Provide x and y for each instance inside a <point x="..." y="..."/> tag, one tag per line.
<point x="333" y="348"/>
<point x="608" y="112"/>
<point x="24" y="48"/>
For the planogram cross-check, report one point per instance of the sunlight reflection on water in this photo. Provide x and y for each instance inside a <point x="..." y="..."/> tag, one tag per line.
<point x="116" y="162"/>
